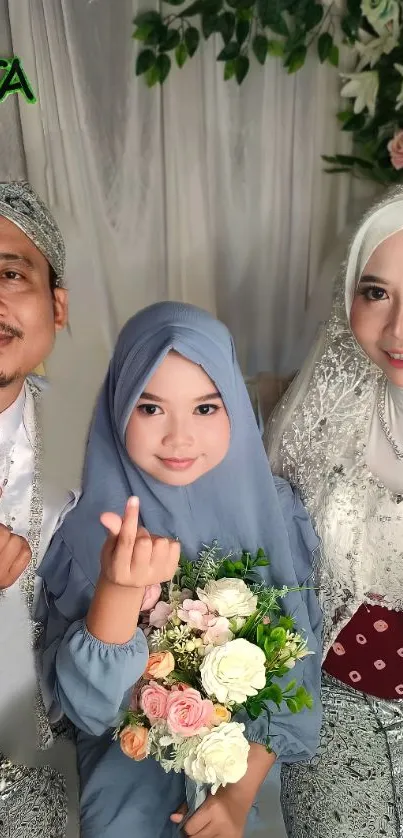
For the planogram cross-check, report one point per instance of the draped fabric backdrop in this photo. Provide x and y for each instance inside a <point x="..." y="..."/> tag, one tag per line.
<point x="200" y="191"/>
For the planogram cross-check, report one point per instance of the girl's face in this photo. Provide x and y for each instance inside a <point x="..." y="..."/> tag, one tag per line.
<point x="377" y="310"/>
<point x="179" y="428"/>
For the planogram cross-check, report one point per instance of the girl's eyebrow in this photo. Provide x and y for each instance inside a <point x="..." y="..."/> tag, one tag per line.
<point x="149" y="397"/>
<point x="370" y="279"/>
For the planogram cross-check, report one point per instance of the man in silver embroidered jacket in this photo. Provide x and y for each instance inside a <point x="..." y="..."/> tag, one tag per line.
<point x="33" y="307"/>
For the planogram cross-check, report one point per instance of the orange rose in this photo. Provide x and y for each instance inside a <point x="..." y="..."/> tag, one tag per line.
<point x="133" y="741"/>
<point x="160" y="665"/>
<point x="220" y="714"/>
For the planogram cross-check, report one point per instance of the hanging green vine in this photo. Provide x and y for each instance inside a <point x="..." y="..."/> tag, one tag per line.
<point x="280" y="28"/>
<point x="371" y="30"/>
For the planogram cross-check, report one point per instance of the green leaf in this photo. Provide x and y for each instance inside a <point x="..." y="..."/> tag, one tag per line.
<point x="242" y="31"/>
<point x="350" y="28"/>
<point x="152" y="75"/>
<point x="229" y="53"/>
<point x="241" y="68"/>
<point x="226" y="26"/>
<point x="157" y="36"/>
<point x="145" y="61"/>
<point x="272" y="693"/>
<point x="325" y="43"/>
<point x="276" y="50"/>
<point x="343" y="116"/>
<point x="292" y="705"/>
<point x="271" y="17"/>
<point x="291" y="686"/>
<point x="278" y="635"/>
<point x="209" y="25"/>
<point x="354" y="8"/>
<point x="229" y="70"/>
<point x="253" y="708"/>
<point x="336" y="171"/>
<point x="143" y="32"/>
<point x="297" y="59"/>
<point x="313" y="16"/>
<point x="195" y="8"/>
<point x="355" y="123"/>
<point x="192" y="40"/>
<point x="148" y="18"/>
<point x="163" y="65"/>
<point x="181" y="54"/>
<point x="171" y="41"/>
<point x="334" y="56"/>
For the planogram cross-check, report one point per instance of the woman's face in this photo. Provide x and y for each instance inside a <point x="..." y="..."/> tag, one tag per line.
<point x="377" y="311"/>
<point x="179" y="429"/>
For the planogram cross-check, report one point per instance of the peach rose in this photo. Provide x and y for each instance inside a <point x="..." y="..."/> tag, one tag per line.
<point x="154" y="701"/>
<point x="133" y="741"/>
<point x="220" y="714"/>
<point x="188" y="712"/>
<point x="160" y="665"/>
<point x="151" y="596"/>
<point x="395" y="149"/>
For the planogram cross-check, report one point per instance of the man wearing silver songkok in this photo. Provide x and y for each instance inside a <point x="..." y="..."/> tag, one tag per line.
<point x="33" y="307"/>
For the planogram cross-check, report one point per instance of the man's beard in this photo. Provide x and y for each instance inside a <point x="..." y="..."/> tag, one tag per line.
<point x="8" y="378"/>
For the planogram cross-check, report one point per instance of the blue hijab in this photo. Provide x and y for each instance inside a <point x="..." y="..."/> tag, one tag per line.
<point x="236" y="503"/>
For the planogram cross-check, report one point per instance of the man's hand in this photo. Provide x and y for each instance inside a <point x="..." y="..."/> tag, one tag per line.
<point x="15" y="556"/>
<point x="133" y="558"/>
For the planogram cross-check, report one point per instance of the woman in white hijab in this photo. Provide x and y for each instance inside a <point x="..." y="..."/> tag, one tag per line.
<point x="338" y="436"/>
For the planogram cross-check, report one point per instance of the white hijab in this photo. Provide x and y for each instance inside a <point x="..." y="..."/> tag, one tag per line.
<point x="326" y="438"/>
<point x="379" y="226"/>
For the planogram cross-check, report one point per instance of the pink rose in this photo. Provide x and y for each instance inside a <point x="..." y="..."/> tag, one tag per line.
<point x="187" y="712"/>
<point x="152" y="594"/>
<point x="395" y="149"/>
<point x="154" y="701"/>
<point x="195" y="614"/>
<point x="159" y="616"/>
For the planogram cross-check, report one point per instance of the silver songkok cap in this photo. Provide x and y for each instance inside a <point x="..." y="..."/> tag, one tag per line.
<point x="21" y="205"/>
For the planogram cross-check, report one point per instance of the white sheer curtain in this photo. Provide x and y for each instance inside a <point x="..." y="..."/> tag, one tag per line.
<point x="200" y="192"/>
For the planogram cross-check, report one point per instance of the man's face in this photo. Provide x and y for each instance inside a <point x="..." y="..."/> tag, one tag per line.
<point x="30" y="313"/>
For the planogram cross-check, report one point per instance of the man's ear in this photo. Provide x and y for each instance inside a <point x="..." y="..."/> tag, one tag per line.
<point x="60" y="307"/>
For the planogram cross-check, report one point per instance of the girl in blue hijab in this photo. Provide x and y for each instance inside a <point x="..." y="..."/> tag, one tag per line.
<point x="173" y="428"/>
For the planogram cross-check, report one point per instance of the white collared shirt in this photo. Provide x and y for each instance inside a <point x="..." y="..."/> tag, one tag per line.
<point x="16" y="466"/>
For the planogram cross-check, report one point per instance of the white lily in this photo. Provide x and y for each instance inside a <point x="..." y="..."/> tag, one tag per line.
<point x="371" y="49"/>
<point x="399" y="99"/>
<point x="363" y="87"/>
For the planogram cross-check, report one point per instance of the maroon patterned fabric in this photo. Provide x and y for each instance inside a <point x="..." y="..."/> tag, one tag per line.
<point x="368" y="653"/>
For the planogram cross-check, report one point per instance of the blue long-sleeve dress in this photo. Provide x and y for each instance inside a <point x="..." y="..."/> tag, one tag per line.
<point x="90" y="682"/>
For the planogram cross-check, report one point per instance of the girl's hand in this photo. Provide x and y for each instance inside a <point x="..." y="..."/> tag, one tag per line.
<point x="131" y="557"/>
<point x="222" y="815"/>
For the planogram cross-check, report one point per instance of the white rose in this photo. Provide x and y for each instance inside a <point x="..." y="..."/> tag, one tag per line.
<point x="220" y="758"/>
<point x="229" y="597"/>
<point x="234" y="671"/>
<point x="380" y="12"/>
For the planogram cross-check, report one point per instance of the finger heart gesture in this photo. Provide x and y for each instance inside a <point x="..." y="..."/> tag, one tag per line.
<point x="133" y="558"/>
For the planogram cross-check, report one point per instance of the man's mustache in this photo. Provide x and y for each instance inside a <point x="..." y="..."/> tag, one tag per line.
<point x="12" y="331"/>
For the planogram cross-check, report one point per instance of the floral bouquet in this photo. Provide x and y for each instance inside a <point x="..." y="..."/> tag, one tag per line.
<point x="218" y="641"/>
